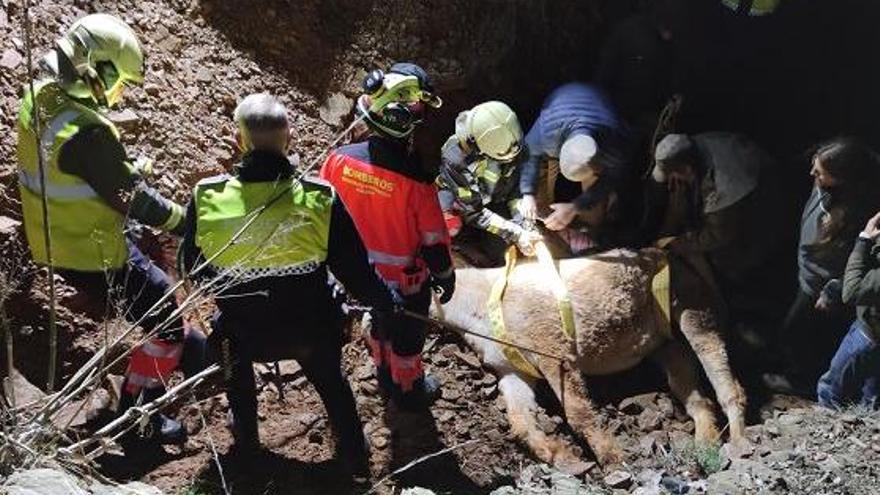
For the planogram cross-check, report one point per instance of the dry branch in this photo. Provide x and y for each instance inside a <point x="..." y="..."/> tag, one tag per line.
<point x="418" y="461"/>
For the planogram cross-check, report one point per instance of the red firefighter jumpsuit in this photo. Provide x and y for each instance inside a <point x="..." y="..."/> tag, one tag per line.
<point x="396" y="211"/>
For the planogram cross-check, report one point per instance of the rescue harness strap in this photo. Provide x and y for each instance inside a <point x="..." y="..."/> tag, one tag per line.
<point x="496" y="313"/>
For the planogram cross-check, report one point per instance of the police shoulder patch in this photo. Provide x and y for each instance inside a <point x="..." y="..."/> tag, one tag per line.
<point x="216" y="179"/>
<point x="315" y="183"/>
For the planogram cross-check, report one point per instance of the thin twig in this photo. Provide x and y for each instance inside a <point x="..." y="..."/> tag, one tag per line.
<point x="143" y="410"/>
<point x="213" y="451"/>
<point x="418" y="461"/>
<point x="7" y="338"/>
<point x="41" y="166"/>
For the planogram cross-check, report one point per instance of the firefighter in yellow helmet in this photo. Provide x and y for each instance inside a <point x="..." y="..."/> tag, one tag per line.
<point x="92" y="189"/>
<point x="478" y="182"/>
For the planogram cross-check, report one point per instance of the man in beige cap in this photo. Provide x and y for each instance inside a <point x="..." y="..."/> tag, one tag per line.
<point x="579" y="129"/>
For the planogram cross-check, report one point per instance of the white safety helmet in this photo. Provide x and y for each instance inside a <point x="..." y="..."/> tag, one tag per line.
<point x="492" y="128"/>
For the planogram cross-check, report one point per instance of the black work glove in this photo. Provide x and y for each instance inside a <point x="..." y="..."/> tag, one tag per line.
<point x="444" y="286"/>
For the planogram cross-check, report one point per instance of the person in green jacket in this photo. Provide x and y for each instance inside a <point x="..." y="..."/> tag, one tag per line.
<point x="92" y="190"/>
<point x="854" y="372"/>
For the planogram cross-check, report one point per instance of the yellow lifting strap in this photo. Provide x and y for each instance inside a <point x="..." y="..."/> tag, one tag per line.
<point x="496" y="315"/>
<point x="662" y="296"/>
<point x="660" y="290"/>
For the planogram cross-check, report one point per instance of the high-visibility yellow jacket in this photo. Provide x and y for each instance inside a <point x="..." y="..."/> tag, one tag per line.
<point x="86" y="232"/>
<point x="289" y="236"/>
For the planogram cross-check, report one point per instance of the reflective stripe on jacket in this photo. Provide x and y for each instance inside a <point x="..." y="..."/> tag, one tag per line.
<point x="85" y="231"/>
<point x="288" y="237"/>
<point x="470" y="184"/>
<point x="395" y="215"/>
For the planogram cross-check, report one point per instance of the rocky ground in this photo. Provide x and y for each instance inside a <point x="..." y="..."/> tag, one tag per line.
<point x="202" y="57"/>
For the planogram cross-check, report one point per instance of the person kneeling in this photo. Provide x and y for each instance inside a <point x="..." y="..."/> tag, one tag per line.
<point x="855" y="368"/>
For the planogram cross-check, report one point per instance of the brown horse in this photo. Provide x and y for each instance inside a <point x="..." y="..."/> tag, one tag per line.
<point x="618" y="323"/>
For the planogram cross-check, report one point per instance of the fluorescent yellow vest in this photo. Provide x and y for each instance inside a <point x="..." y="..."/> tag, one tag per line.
<point x="288" y="237"/>
<point x="85" y="231"/>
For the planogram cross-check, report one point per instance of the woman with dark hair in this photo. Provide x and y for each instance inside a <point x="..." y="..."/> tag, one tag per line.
<point x="844" y="196"/>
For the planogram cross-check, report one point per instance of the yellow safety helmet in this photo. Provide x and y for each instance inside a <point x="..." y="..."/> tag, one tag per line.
<point x="104" y="54"/>
<point x="492" y="128"/>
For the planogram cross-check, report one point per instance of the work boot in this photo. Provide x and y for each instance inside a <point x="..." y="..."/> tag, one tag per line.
<point x="246" y="438"/>
<point x="160" y="430"/>
<point x="425" y="391"/>
<point x="166" y="430"/>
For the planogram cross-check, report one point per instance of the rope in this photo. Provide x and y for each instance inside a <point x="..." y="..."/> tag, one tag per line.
<point x="455" y="328"/>
<point x="35" y="115"/>
<point x="448" y="326"/>
<point x="666" y="123"/>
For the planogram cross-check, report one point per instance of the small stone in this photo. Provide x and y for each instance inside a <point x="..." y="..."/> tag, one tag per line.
<point x="10" y="59"/>
<point x="737" y="450"/>
<point x="19" y="390"/>
<point x="675" y="485"/>
<point x="469" y="359"/>
<point x="153" y="89"/>
<point x="369" y="388"/>
<point x="204" y="75"/>
<point x="335" y="108"/>
<point x="646" y="445"/>
<point x="364" y="372"/>
<point x="380" y="442"/>
<point x="831" y="465"/>
<point x="124" y="118"/>
<point x="618" y="479"/>
<point x="637" y="403"/>
<point x="445" y="415"/>
<point x="649" y="420"/>
<point x="451" y="394"/>
<point x="42" y="482"/>
<point x="666" y="407"/>
<point x="576" y="468"/>
<point x="495" y="436"/>
<point x="789" y="419"/>
<point x="546" y="424"/>
<point x="8" y="226"/>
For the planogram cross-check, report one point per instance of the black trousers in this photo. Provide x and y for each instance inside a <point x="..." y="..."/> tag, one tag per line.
<point x="271" y="336"/>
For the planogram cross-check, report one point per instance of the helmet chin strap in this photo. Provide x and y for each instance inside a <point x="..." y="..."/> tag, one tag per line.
<point x="96" y="87"/>
<point x="76" y="49"/>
